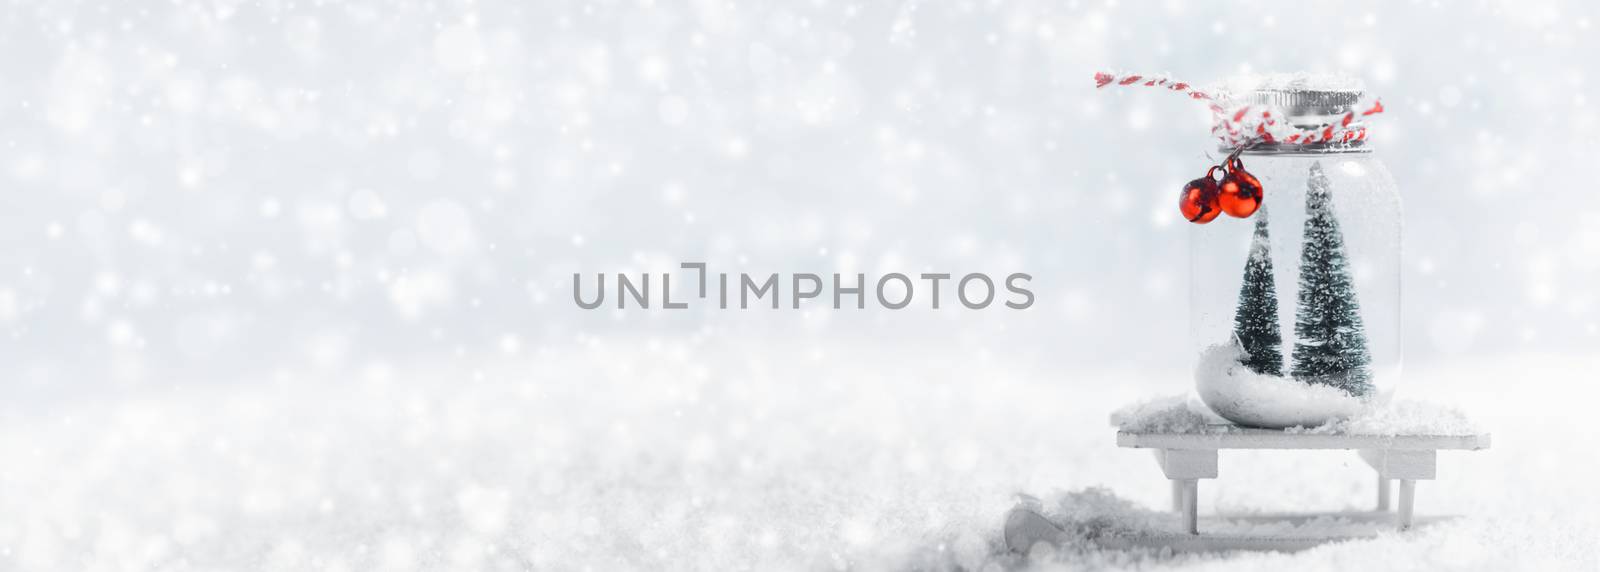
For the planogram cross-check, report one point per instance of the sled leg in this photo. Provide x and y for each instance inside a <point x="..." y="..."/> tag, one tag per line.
<point x="1408" y="490"/>
<point x="1185" y="468"/>
<point x="1191" y="505"/>
<point x="1407" y="466"/>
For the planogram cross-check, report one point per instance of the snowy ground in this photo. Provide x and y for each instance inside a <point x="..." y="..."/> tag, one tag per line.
<point x="725" y="456"/>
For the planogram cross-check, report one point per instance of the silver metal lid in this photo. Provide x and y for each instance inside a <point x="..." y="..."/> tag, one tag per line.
<point x="1307" y="109"/>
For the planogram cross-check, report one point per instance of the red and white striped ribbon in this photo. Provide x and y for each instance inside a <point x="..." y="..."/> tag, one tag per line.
<point x="1248" y="124"/>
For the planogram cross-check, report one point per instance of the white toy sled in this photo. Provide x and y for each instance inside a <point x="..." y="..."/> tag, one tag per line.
<point x="1188" y="454"/>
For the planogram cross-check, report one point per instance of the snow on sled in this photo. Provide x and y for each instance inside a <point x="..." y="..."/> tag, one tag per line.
<point x="1400" y="442"/>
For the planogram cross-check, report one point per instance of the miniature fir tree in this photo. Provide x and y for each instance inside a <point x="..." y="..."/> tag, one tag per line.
<point x="1330" y="344"/>
<point x="1255" y="323"/>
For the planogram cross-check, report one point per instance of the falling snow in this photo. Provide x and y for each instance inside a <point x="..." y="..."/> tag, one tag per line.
<point x="285" y="285"/>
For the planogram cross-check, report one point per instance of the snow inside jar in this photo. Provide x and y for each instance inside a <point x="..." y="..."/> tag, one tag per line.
<point x="1295" y="310"/>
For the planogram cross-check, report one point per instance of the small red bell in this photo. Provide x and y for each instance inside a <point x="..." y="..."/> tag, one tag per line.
<point x="1240" y="191"/>
<point x="1198" y="201"/>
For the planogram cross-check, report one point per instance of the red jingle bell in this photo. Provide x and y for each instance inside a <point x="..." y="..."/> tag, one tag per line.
<point x="1198" y="201"/>
<point x="1240" y="191"/>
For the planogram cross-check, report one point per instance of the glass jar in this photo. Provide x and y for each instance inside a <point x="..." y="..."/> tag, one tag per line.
<point x="1295" y="310"/>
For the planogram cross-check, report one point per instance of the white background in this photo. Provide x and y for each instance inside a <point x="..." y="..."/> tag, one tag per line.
<point x="267" y="268"/>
